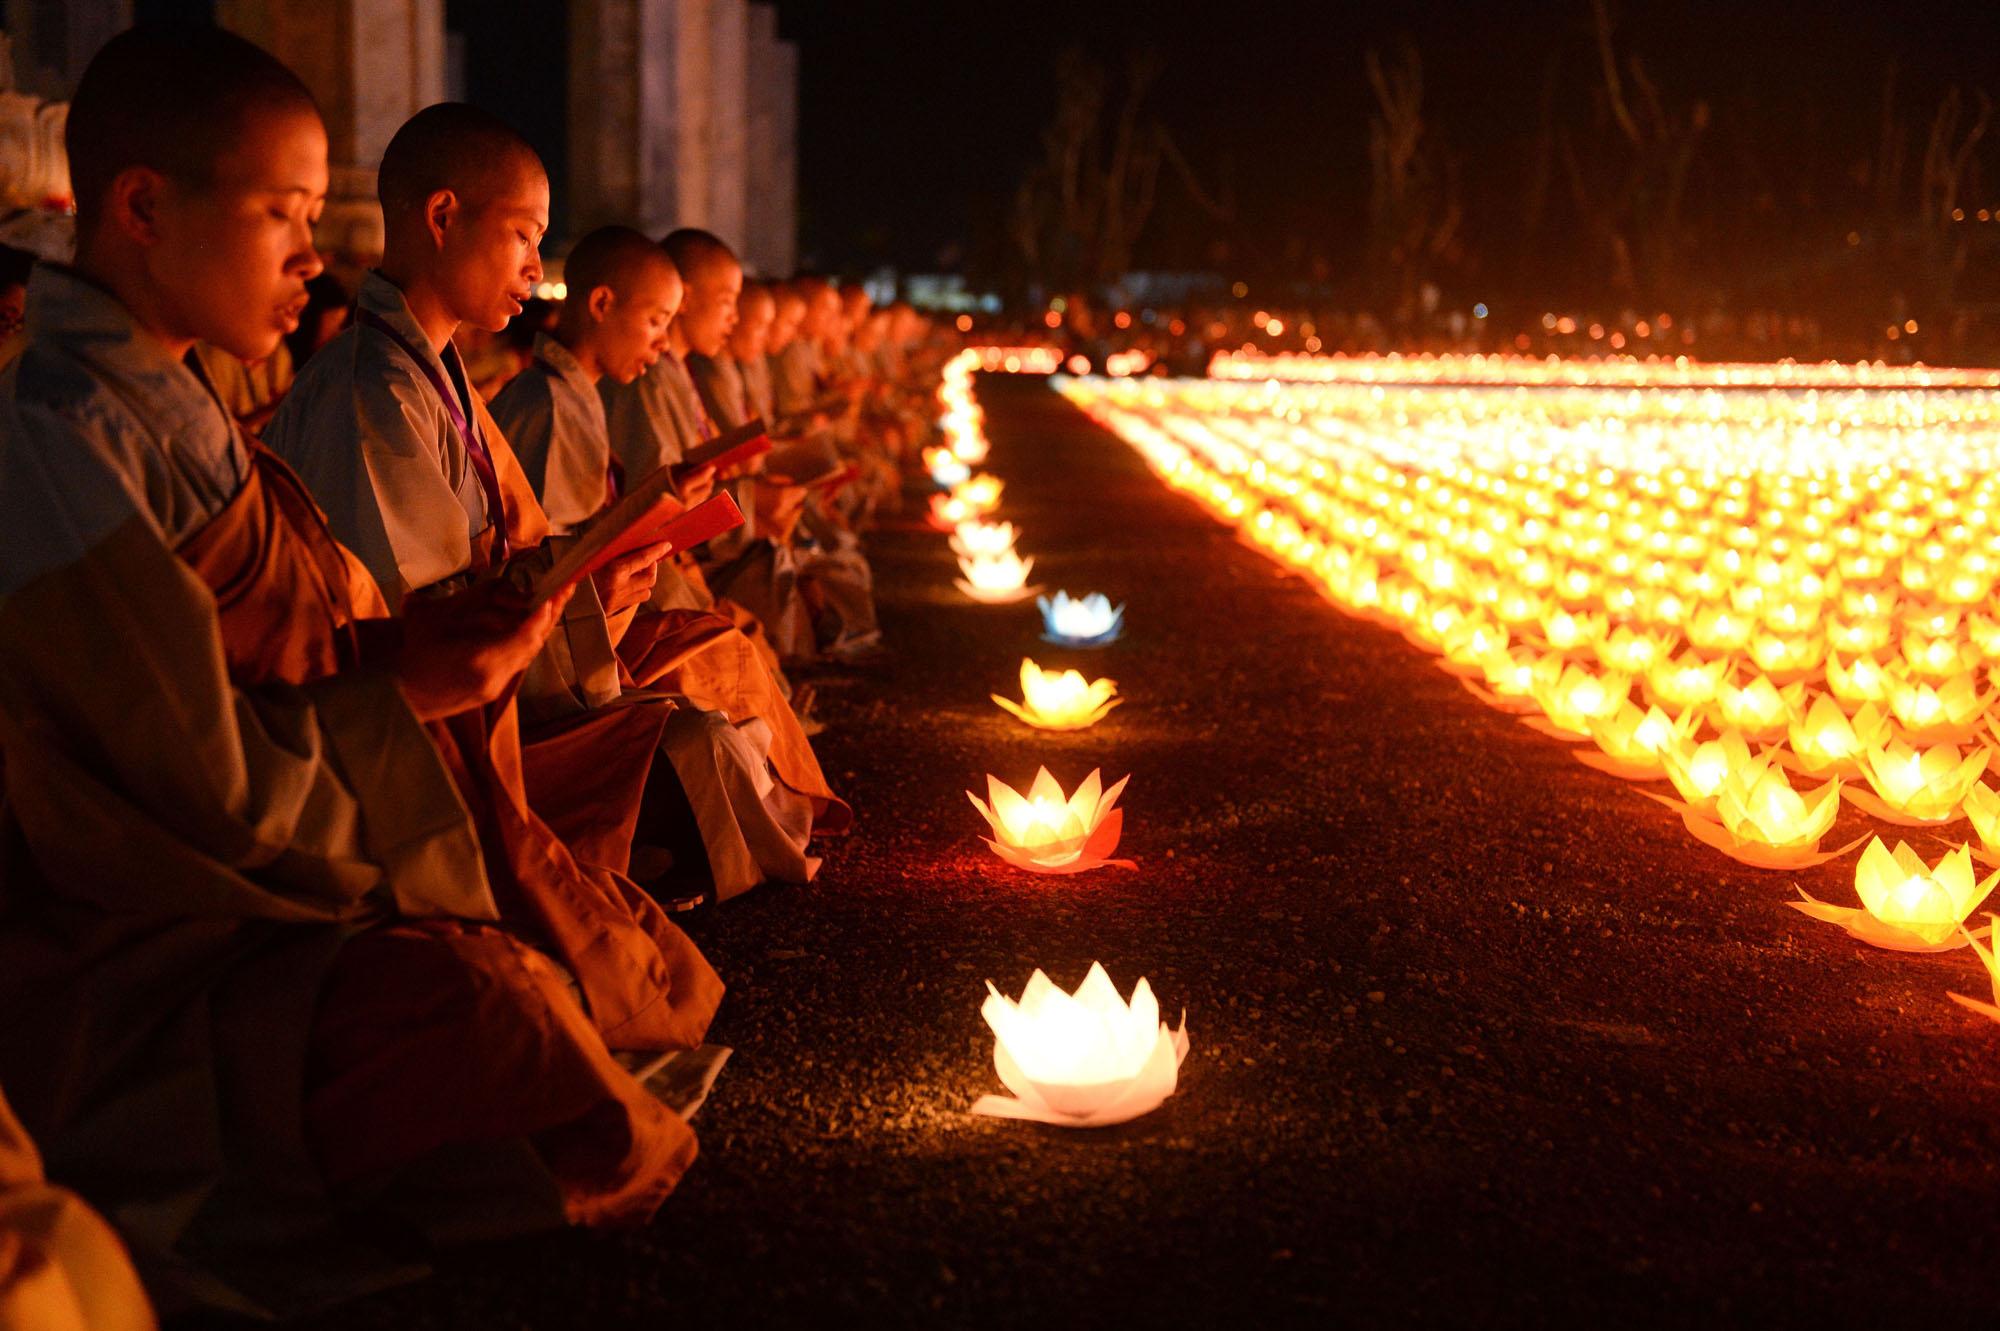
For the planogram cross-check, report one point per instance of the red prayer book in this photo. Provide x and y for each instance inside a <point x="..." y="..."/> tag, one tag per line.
<point x="640" y="519"/>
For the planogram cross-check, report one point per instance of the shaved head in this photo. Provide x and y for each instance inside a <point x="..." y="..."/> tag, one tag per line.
<point x="756" y="298"/>
<point x="452" y="146"/>
<point x="171" y="99"/>
<point x="612" y="256"/>
<point x="695" y="252"/>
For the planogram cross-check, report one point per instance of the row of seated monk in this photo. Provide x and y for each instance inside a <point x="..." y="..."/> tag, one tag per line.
<point x="339" y="873"/>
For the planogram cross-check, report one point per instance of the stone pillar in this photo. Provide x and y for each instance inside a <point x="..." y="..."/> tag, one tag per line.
<point x="371" y="64"/>
<point x="726" y="99"/>
<point x="621" y="115"/>
<point x="770" y="241"/>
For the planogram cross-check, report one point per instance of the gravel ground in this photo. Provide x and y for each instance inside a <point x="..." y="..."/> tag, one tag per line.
<point x="1479" y="1035"/>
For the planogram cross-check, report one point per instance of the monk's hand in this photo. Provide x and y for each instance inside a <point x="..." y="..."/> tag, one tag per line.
<point x="462" y="651"/>
<point x="697" y="485"/>
<point x="628" y="580"/>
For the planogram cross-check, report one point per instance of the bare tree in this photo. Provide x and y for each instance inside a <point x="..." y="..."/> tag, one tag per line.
<point x="1413" y="206"/>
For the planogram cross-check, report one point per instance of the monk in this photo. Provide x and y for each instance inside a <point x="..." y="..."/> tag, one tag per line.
<point x="809" y="580"/>
<point x="624" y="292"/>
<point x="418" y="478"/>
<point x="279" y="934"/>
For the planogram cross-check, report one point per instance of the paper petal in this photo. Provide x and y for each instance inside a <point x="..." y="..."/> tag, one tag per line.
<point x="1866" y="800"/>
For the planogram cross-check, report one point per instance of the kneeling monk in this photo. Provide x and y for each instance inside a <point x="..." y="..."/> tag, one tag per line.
<point x="277" y="926"/>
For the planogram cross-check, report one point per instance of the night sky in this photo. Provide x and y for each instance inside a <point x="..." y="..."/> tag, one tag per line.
<point x="917" y="118"/>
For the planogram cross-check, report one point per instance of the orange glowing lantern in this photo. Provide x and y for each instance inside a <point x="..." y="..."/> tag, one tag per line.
<point x="1916" y="788"/>
<point x="1574" y="697"/>
<point x="1931" y="714"/>
<point x="1081" y="1060"/>
<point x="1826" y="742"/>
<point x="1060" y="701"/>
<point x="1761" y="821"/>
<point x="1699" y="770"/>
<point x="1632" y="744"/>
<point x="1757" y="708"/>
<point x="996" y="579"/>
<point x="1992" y="964"/>
<point x="1864" y="681"/>
<point x="981" y="494"/>
<point x="980" y="540"/>
<point x="1044" y="832"/>
<point x="1907" y="905"/>
<point x="1684" y="682"/>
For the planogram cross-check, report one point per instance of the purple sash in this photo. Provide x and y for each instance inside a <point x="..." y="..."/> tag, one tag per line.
<point x="475" y="447"/>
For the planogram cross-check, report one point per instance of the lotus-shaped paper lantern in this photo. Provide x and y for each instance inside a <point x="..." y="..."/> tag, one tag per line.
<point x="1992" y="964"/>
<point x="947" y="469"/>
<point x="1937" y="658"/>
<point x="1572" y="698"/>
<point x="1698" y="770"/>
<point x="1088" y="621"/>
<point x="981" y="494"/>
<point x="1788" y="658"/>
<point x="977" y="540"/>
<point x="1567" y="632"/>
<point x="1684" y="682"/>
<point x="1916" y="787"/>
<point x="1906" y="904"/>
<point x="1864" y="681"/>
<point x="996" y="579"/>
<point x="1931" y="713"/>
<point x="948" y="511"/>
<point x="1081" y="1060"/>
<point x="1060" y="701"/>
<point x="1761" y="821"/>
<point x="1982" y="805"/>
<point x="1511" y="677"/>
<point x="1468" y="644"/>
<point x="1859" y="637"/>
<point x="1826" y="741"/>
<point x="1630" y="653"/>
<point x="1044" y="832"/>
<point x="1633" y="744"/>
<point x="1757" y="707"/>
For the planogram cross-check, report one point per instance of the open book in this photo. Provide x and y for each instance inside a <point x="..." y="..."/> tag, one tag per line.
<point x="731" y="448"/>
<point x="643" y="517"/>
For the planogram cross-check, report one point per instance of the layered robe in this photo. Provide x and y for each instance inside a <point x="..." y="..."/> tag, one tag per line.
<point x="821" y="589"/>
<point x="415" y="468"/>
<point x="266" y="939"/>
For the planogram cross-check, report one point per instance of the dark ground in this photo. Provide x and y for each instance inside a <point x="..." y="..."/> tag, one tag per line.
<point x="1479" y="1035"/>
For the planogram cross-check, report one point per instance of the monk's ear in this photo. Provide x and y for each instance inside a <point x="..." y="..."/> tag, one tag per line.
<point x="440" y="211"/>
<point x="132" y="203"/>
<point x="598" y="304"/>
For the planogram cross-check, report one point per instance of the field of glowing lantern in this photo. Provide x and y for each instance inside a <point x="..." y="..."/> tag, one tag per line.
<point x="1752" y="598"/>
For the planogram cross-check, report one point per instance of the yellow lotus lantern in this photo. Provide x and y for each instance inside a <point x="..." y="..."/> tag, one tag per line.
<point x="1907" y="905"/>
<point x="1575" y="696"/>
<point x="1915" y="787"/>
<point x="1632" y="744"/>
<point x="1046" y="832"/>
<point x="1788" y="658"/>
<point x="1826" y="742"/>
<point x="1863" y="681"/>
<point x="1080" y="1060"/>
<point x="1859" y="637"/>
<point x="1929" y="714"/>
<point x="1717" y="629"/>
<point x="1937" y="658"/>
<point x="1630" y="653"/>
<point x="1982" y="805"/>
<point x="982" y="540"/>
<point x="1757" y="708"/>
<point x="1510" y="679"/>
<point x="1567" y="632"/>
<point x="996" y="579"/>
<point x="1992" y="964"/>
<point x="1699" y="770"/>
<point x="981" y="494"/>
<point x="948" y="511"/>
<point x="1684" y="682"/>
<point x="1761" y="821"/>
<point x="1060" y="701"/>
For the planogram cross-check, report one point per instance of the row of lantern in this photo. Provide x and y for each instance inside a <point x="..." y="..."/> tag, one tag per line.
<point x="1766" y="632"/>
<point x="1591" y="371"/>
<point x="1087" y="1058"/>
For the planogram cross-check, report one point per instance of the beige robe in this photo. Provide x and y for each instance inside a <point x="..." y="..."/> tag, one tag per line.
<point x="185" y="858"/>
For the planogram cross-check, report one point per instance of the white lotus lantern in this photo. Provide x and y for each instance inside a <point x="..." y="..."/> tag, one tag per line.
<point x="1086" y="1059"/>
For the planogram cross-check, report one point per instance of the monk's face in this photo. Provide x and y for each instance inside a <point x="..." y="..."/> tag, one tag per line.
<point x="708" y="310"/>
<point x="785" y="325"/>
<point x="489" y="244"/>
<point x="632" y="332"/>
<point x="229" y="258"/>
<point x="822" y="313"/>
<point x="753" y="326"/>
